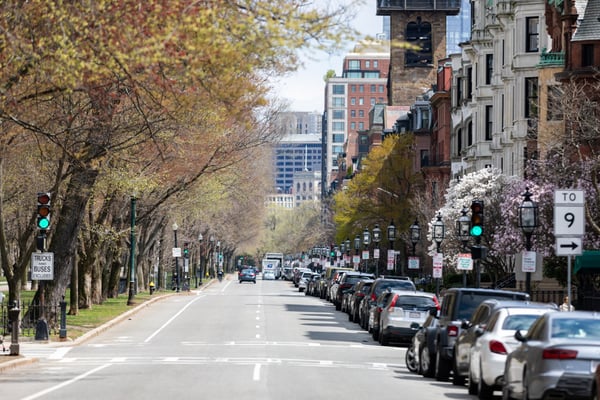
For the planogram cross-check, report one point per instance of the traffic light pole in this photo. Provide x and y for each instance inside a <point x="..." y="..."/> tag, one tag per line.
<point x="132" y="256"/>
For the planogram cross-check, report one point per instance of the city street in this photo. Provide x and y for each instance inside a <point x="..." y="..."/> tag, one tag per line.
<point x="228" y="341"/>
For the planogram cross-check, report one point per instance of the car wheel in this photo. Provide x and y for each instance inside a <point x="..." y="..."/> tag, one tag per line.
<point x="254" y="282"/>
<point x="457" y="379"/>
<point x="375" y="333"/>
<point x="427" y="365"/>
<point x="240" y="281"/>
<point x="442" y="367"/>
<point x="350" y="317"/>
<point x="484" y="391"/>
<point x="506" y="395"/>
<point x="410" y="360"/>
<point x="385" y="341"/>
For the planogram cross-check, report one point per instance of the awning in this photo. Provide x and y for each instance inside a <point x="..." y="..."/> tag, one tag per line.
<point x="588" y="260"/>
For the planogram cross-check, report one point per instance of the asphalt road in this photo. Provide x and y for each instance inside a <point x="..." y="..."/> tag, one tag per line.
<point x="228" y="341"/>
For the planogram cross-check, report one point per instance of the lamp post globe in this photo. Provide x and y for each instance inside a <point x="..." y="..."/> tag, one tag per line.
<point x="415" y="234"/>
<point x="528" y="221"/>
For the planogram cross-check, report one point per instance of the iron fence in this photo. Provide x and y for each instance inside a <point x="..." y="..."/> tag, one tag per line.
<point x="29" y="316"/>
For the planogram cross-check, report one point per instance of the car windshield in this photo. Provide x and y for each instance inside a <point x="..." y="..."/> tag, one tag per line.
<point x="395" y="284"/>
<point x="420" y="303"/>
<point x="519" y="322"/>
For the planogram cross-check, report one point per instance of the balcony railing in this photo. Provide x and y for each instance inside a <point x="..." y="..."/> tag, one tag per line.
<point x="552" y="59"/>
<point x="386" y="7"/>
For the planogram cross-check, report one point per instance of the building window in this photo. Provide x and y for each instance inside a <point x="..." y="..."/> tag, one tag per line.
<point x="489" y="68"/>
<point x="381" y="100"/>
<point x="489" y="127"/>
<point x="361" y="101"/>
<point x="338" y="138"/>
<point x="419" y="33"/>
<point x="361" y="113"/>
<point x="373" y="101"/>
<point x="367" y="64"/>
<point x="459" y="99"/>
<point x="375" y="64"/>
<point x="338" y="114"/>
<point x="338" y="101"/>
<point x="353" y="126"/>
<point x="381" y="89"/>
<point x="338" y="126"/>
<point x="354" y="64"/>
<point x="361" y="126"/>
<point x="459" y="141"/>
<point x="425" y="119"/>
<point x="353" y="113"/>
<point x="351" y="74"/>
<point x="469" y="83"/>
<point x="338" y="89"/>
<point x="470" y="133"/>
<point x="373" y="88"/>
<point x="587" y="55"/>
<point x="361" y="88"/>
<point x="531" y="98"/>
<point x="532" y="34"/>
<point x="353" y="88"/>
<point x="424" y="158"/>
<point x="353" y="101"/>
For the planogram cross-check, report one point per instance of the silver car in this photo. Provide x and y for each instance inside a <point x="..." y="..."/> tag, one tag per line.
<point x="495" y="341"/>
<point x="556" y="359"/>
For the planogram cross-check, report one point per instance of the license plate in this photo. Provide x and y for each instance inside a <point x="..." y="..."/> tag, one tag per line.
<point x="414" y="315"/>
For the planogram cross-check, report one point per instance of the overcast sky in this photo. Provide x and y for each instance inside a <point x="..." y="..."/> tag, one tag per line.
<point x="304" y="89"/>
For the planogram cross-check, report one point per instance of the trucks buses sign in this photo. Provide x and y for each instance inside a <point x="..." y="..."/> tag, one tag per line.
<point x="42" y="266"/>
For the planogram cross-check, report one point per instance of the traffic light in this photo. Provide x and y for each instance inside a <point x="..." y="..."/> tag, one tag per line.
<point x="186" y="250"/>
<point x="331" y="251"/>
<point x="477" y="218"/>
<point x="43" y="210"/>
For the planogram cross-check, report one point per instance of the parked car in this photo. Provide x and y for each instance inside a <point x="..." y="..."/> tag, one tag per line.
<point x="247" y="275"/>
<point x="556" y="359"/>
<point x="345" y="281"/>
<point x="313" y="285"/>
<point x="495" y="340"/>
<point x="457" y="306"/>
<point x="303" y="280"/>
<point x="403" y="313"/>
<point x="346" y="296"/>
<point x="361" y="290"/>
<point x="469" y="333"/>
<point x="424" y="346"/>
<point x="377" y="287"/>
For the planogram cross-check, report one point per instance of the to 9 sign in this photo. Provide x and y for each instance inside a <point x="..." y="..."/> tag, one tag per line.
<point x="569" y="221"/>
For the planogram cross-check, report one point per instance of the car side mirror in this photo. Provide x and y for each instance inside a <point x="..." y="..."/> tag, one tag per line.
<point x="519" y="336"/>
<point x="433" y="311"/>
<point x="479" y="331"/>
<point x="465" y="324"/>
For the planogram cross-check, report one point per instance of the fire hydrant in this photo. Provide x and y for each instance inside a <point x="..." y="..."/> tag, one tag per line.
<point x="151" y="287"/>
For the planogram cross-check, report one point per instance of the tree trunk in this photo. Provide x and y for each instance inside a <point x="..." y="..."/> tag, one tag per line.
<point x="73" y="298"/>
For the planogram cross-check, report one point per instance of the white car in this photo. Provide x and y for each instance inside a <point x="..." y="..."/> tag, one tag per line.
<point x="268" y="276"/>
<point x="303" y="281"/>
<point x="496" y="340"/>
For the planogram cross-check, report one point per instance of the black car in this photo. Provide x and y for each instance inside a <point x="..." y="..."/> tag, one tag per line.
<point x="379" y="285"/>
<point x="247" y="275"/>
<point x="346" y="281"/>
<point x="361" y="290"/>
<point x="458" y="305"/>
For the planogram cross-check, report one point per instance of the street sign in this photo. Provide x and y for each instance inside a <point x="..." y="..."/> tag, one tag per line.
<point x="391" y="259"/>
<point x="438" y="261"/>
<point x="528" y="261"/>
<point x="568" y="246"/>
<point x="464" y="262"/>
<point x="569" y="217"/>
<point x="176" y="251"/>
<point x="413" y="262"/>
<point x="42" y="266"/>
<point x="376" y="254"/>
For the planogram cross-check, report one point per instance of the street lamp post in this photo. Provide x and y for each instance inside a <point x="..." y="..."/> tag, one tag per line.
<point x="439" y="231"/>
<point x="211" y="266"/>
<point x="366" y="243"/>
<point x="357" y="248"/>
<point x="347" y="246"/>
<point x="463" y="229"/>
<point x="130" y="298"/>
<point x="376" y="240"/>
<point x="391" y="234"/>
<point x="175" y="227"/>
<point x="415" y="235"/>
<point x="528" y="221"/>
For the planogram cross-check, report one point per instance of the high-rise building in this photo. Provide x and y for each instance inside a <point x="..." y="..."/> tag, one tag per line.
<point x="350" y="97"/>
<point x="294" y="154"/>
<point x="458" y="28"/>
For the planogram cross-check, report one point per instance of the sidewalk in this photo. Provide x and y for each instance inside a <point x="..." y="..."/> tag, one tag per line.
<point x="30" y="350"/>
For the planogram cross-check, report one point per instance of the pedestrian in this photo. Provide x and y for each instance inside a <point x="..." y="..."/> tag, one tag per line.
<point x="566" y="306"/>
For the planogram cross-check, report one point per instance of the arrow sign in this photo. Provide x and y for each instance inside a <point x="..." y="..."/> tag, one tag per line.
<point x="568" y="246"/>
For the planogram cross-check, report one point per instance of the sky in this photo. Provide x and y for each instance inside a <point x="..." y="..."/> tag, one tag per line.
<point x="304" y="89"/>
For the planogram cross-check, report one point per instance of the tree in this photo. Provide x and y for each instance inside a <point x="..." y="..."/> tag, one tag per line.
<point x="153" y="86"/>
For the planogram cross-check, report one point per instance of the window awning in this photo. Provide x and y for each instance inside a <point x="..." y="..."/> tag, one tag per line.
<point x="589" y="261"/>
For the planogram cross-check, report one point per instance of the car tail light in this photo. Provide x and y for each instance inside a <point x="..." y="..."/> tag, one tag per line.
<point x="559" y="354"/>
<point x="452" y="330"/>
<point x="437" y="303"/>
<point x="373" y="297"/>
<point x="393" y="304"/>
<point x="497" y="347"/>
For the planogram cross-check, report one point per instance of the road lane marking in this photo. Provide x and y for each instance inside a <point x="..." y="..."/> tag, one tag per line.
<point x="66" y="383"/>
<point x="226" y="286"/>
<point x="60" y="353"/>
<point x="171" y="319"/>
<point x="256" y="373"/>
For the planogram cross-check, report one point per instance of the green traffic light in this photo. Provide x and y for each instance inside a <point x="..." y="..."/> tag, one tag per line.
<point x="476" y="230"/>
<point x="43" y="223"/>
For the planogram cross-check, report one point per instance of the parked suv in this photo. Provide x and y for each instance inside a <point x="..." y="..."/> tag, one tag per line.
<point x="457" y="306"/>
<point x="377" y="288"/>
<point x="346" y="281"/>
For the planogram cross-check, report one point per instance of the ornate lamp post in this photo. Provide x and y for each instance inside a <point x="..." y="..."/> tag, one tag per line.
<point x="391" y="235"/>
<point x="175" y="227"/>
<point x="199" y="270"/>
<point x="357" y="247"/>
<point x="366" y="243"/>
<point x="463" y="232"/>
<point x="211" y="240"/>
<point x="415" y="236"/>
<point x="439" y="231"/>
<point x="376" y="240"/>
<point x="528" y="221"/>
